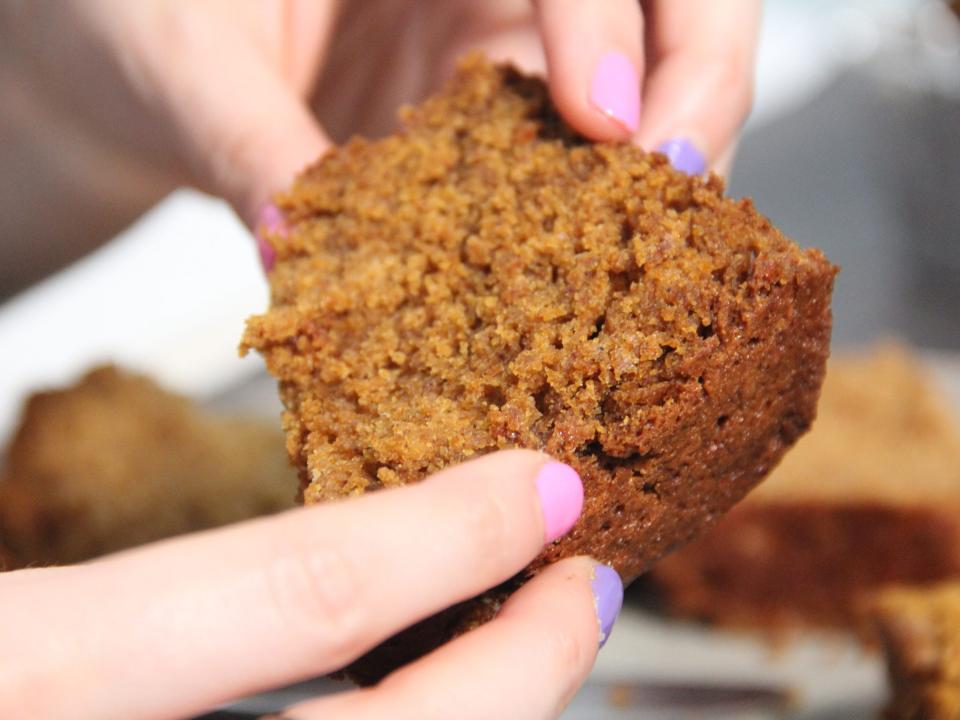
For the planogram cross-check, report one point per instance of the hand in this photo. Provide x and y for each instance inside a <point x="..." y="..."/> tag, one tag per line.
<point x="181" y="626"/>
<point x="109" y="104"/>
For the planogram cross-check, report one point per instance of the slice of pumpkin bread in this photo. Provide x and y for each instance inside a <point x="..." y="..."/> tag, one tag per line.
<point x="486" y="279"/>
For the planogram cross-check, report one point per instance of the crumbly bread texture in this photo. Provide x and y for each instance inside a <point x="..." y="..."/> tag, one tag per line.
<point x="870" y="497"/>
<point x="920" y="633"/>
<point x="115" y="461"/>
<point x="488" y="279"/>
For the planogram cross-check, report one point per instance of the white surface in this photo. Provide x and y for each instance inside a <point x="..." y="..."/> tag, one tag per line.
<point x="169" y="297"/>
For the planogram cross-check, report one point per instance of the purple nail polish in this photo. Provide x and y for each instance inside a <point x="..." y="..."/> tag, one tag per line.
<point x="607" y="598"/>
<point x="269" y="222"/>
<point x="684" y="156"/>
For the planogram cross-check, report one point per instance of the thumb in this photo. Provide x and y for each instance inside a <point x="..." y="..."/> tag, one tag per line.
<point x="249" y="149"/>
<point x="247" y="135"/>
<point x="243" y="129"/>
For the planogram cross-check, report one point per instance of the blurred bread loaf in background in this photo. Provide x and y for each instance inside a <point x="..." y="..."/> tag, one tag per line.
<point x="869" y="498"/>
<point x="115" y="460"/>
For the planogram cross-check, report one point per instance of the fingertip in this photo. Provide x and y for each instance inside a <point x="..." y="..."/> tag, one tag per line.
<point x="561" y="498"/>
<point x="607" y="589"/>
<point x="698" y="88"/>
<point x="552" y="491"/>
<point x="615" y="91"/>
<point x="602" y="583"/>
<point x="535" y="653"/>
<point x="594" y="64"/>
<point x="684" y="155"/>
<point x="269" y="223"/>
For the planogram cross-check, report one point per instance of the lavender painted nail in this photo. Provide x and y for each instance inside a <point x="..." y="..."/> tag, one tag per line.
<point x="684" y="156"/>
<point x="607" y="598"/>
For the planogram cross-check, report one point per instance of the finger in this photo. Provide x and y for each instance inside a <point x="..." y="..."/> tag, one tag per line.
<point x="243" y="128"/>
<point x="594" y="63"/>
<point x="699" y="87"/>
<point x="268" y="602"/>
<point x="247" y="140"/>
<point x="724" y="162"/>
<point x="533" y="655"/>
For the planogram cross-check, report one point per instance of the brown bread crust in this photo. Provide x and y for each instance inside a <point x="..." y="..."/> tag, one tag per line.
<point x="871" y="497"/>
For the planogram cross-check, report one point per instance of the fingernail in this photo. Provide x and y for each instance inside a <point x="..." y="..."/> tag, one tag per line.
<point x="561" y="498"/>
<point x="684" y="156"/>
<point x="269" y="222"/>
<point x="607" y="598"/>
<point x="615" y="90"/>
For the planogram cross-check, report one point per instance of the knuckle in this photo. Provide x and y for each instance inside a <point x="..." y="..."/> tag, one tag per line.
<point x="230" y="155"/>
<point x="570" y="653"/>
<point x="487" y="523"/>
<point x="316" y="594"/>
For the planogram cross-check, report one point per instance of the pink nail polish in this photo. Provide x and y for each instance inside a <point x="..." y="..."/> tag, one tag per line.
<point x="270" y="222"/>
<point x="561" y="498"/>
<point x="615" y="90"/>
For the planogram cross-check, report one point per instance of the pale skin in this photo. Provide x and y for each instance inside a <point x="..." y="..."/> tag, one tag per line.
<point x="180" y="626"/>
<point x="108" y="105"/>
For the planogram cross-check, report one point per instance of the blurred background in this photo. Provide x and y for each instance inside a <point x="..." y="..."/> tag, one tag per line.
<point x="852" y="146"/>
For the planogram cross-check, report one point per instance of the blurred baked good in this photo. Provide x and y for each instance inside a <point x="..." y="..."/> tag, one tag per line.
<point x="487" y="279"/>
<point x="115" y="461"/>
<point x="920" y="633"/>
<point x="870" y="497"/>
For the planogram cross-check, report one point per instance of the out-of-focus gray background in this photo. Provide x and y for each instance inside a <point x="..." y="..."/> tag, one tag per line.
<point x="868" y="166"/>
